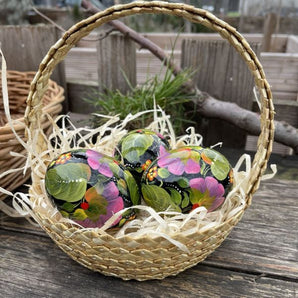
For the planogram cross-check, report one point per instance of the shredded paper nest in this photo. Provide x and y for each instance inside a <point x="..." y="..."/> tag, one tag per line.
<point x="104" y="139"/>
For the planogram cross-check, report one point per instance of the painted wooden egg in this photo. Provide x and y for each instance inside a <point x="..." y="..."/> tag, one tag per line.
<point x="139" y="148"/>
<point x="89" y="187"/>
<point x="186" y="178"/>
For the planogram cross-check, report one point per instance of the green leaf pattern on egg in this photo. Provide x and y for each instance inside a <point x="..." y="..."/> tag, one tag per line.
<point x="138" y="149"/>
<point x="68" y="182"/>
<point x="189" y="177"/>
<point x="158" y="198"/>
<point x="220" y="166"/>
<point x="89" y="187"/>
<point x="135" y="145"/>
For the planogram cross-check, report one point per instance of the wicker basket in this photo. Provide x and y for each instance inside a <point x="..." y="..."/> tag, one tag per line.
<point x="18" y="84"/>
<point x="147" y="257"/>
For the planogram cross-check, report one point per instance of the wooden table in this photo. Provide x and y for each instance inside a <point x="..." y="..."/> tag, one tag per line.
<point x="258" y="259"/>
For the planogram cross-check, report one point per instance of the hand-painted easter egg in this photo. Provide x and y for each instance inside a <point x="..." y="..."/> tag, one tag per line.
<point x="186" y="178"/>
<point x="139" y="148"/>
<point x="89" y="187"/>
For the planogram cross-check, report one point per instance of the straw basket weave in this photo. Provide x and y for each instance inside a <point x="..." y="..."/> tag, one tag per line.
<point x="18" y="84"/>
<point x="147" y="257"/>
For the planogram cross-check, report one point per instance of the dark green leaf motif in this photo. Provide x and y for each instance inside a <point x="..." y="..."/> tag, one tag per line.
<point x="220" y="166"/>
<point x="135" y="145"/>
<point x="69" y="207"/>
<point x="185" y="200"/>
<point x="175" y="195"/>
<point x="158" y="198"/>
<point x="183" y="182"/>
<point x="68" y="182"/>
<point x="132" y="188"/>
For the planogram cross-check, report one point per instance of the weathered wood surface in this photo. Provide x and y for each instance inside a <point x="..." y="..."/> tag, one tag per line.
<point x="286" y="110"/>
<point x="169" y="40"/>
<point x="281" y="70"/>
<point x="78" y="93"/>
<point x="24" y="47"/>
<point x="81" y="64"/>
<point x="280" y="67"/>
<point x="116" y="63"/>
<point x="258" y="259"/>
<point x="221" y="72"/>
<point x="292" y="44"/>
<point x="269" y="28"/>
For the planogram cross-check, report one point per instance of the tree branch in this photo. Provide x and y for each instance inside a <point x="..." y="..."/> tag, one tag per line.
<point x="246" y="120"/>
<point x="207" y="105"/>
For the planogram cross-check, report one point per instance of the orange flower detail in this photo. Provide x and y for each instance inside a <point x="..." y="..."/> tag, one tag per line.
<point x="63" y="158"/>
<point x="146" y="164"/>
<point x="152" y="173"/>
<point x="206" y="159"/>
<point x="231" y="176"/>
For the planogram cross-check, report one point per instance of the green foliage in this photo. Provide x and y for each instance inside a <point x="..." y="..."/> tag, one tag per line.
<point x="167" y="91"/>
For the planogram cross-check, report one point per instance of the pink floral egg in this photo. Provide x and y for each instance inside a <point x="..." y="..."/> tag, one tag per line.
<point x="186" y="178"/>
<point x="89" y="188"/>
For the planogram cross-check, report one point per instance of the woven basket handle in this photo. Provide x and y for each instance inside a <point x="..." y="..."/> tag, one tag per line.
<point x="58" y="52"/>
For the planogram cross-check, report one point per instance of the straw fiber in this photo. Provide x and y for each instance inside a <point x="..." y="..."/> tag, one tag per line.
<point x="147" y="257"/>
<point x="18" y="84"/>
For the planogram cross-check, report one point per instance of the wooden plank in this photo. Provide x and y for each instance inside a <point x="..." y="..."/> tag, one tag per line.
<point x="20" y="225"/>
<point x="282" y="75"/>
<point x="223" y="74"/>
<point x="80" y="64"/>
<point x="285" y="95"/>
<point x="269" y="28"/>
<point x="53" y="274"/>
<point x="251" y="145"/>
<point x="292" y="44"/>
<point x="24" y="47"/>
<point x="149" y="66"/>
<point x="265" y="240"/>
<point x="285" y="110"/>
<point x="269" y="69"/>
<point x="283" y="87"/>
<point x="291" y="82"/>
<point x="166" y="40"/>
<point x="116" y="63"/>
<point x="290" y="57"/>
<point x="78" y="93"/>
